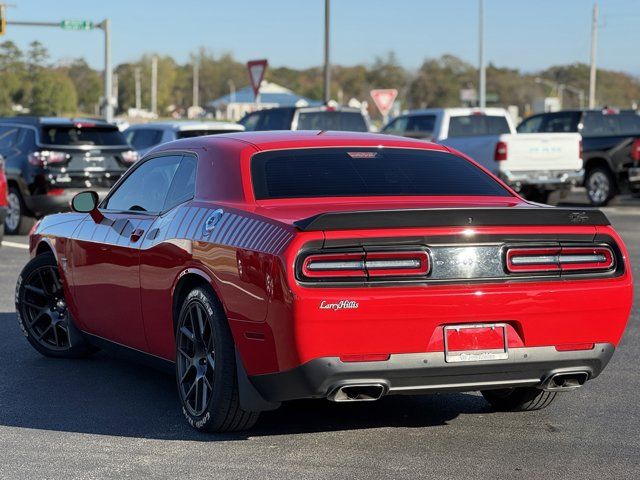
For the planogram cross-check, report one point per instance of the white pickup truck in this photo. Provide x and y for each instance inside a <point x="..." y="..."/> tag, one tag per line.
<point x="534" y="164"/>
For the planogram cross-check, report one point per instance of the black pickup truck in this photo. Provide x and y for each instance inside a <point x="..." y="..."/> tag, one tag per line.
<point x="610" y="147"/>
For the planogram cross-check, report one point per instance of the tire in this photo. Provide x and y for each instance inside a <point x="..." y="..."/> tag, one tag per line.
<point x="42" y="313"/>
<point x="600" y="186"/>
<point x="206" y="367"/>
<point x="521" y="399"/>
<point x="18" y="222"/>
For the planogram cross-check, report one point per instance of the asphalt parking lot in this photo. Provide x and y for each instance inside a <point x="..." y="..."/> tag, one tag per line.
<point x="105" y="418"/>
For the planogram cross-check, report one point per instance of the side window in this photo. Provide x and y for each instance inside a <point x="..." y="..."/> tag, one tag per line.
<point x="530" y="125"/>
<point x="146" y="188"/>
<point x="397" y="126"/>
<point x="250" y="122"/>
<point x="8" y="136"/>
<point x="422" y="124"/>
<point x="143" y="138"/>
<point x="26" y="138"/>
<point x="183" y="186"/>
<point x="558" y="123"/>
<point x="276" y="119"/>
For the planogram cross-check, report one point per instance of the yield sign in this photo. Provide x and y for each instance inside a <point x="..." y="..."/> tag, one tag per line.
<point x="384" y="99"/>
<point x="256" y="70"/>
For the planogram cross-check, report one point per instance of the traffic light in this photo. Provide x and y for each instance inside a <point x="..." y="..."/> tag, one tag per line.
<point x="3" y="21"/>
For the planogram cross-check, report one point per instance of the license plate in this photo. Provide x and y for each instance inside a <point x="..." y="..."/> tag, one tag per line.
<point x="634" y="174"/>
<point x="475" y="342"/>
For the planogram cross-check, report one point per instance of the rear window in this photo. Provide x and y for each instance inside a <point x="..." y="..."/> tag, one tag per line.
<point x="473" y="125"/>
<point x="327" y="120"/>
<point x="72" y="136"/>
<point x="340" y="172"/>
<point x="199" y="133"/>
<point x="601" y="124"/>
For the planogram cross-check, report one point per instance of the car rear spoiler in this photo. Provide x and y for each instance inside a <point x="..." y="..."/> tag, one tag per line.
<point x="452" y="217"/>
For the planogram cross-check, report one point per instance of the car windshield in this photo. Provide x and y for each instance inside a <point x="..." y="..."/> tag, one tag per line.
<point x="74" y="135"/>
<point x="353" y="172"/>
<point x="476" y="125"/>
<point x="602" y="124"/>
<point x="331" y="120"/>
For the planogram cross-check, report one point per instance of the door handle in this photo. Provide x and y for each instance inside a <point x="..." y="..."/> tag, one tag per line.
<point x="136" y="234"/>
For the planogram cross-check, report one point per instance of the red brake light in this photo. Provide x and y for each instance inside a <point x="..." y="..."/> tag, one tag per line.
<point x="635" y="150"/>
<point x="334" y="265"/>
<point x="570" y="347"/>
<point x="559" y="259"/>
<point x="501" y="152"/>
<point x="42" y="158"/>
<point x="365" y="265"/>
<point x="580" y="149"/>
<point x="130" y="156"/>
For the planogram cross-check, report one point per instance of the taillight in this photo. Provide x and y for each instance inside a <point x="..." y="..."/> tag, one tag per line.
<point x="130" y="156"/>
<point x="334" y="265"/>
<point x="362" y="265"/>
<point x="635" y="150"/>
<point x="580" y="149"/>
<point x="501" y="152"/>
<point x="42" y="158"/>
<point x="559" y="259"/>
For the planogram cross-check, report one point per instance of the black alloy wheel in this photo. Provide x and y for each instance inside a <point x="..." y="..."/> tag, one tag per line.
<point x="42" y="310"/>
<point x="206" y="373"/>
<point x="196" y="359"/>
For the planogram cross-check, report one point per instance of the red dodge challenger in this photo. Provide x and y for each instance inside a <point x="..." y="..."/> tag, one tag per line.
<point x="266" y="267"/>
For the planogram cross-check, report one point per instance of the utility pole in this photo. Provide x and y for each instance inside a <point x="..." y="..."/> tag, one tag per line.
<point x="108" y="72"/>
<point x="481" y="67"/>
<point x="327" y="66"/>
<point x="592" y="71"/>
<point x="196" y="83"/>
<point x="154" y="84"/>
<point x="136" y="74"/>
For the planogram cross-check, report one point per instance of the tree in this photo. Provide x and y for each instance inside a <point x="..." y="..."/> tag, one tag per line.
<point x="88" y="84"/>
<point x="53" y="94"/>
<point x="12" y="76"/>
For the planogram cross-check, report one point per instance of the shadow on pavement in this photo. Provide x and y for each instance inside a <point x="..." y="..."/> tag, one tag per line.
<point x="108" y="396"/>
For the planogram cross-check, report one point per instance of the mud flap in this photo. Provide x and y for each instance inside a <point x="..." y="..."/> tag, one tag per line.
<point x="250" y="398"/>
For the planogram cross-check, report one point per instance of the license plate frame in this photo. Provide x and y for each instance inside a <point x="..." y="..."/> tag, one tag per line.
<point x="457" y="356"/>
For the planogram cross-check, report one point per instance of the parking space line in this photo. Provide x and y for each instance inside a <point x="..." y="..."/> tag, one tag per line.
<point x="15" y="245"/>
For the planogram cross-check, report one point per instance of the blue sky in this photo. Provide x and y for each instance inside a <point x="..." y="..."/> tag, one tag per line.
<point x="528" y="35"/>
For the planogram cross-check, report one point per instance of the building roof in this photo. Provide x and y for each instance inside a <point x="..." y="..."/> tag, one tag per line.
<point x="270" y="93"/>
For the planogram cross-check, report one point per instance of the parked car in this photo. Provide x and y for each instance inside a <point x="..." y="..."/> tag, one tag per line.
<point x="265" y="267"/>
<point x="534" y="165"/>
<point x="48" y="160"/>
<point x="3" y="198"/>
<point x="307" y="118"/>
<point x="610" y="146"/>
<point x="143" y="137"/>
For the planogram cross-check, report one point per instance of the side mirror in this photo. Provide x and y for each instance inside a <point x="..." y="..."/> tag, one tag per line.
<point x="87" y="202"/>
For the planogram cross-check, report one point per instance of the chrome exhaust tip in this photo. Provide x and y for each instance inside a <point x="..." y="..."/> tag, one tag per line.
<point x="564" y="381"/>
<point x="365" y="392"/>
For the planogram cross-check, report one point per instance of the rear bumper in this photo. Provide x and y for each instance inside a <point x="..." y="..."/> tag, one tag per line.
<point x="41" y="205"/>
<point x="428" y="372"/>
<point x="549" y="180"/>
<point x="3" y="214"/>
